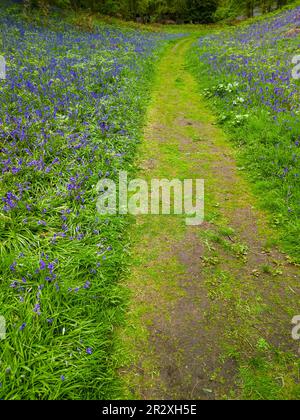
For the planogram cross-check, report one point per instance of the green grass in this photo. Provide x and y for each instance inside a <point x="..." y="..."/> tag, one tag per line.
<point x="264" y="378"/>
<point x="34" y="360"/>
<point x="266" y="149"/>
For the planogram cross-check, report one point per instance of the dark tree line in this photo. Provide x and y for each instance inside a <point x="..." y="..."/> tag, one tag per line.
<point x="180" y="11"/>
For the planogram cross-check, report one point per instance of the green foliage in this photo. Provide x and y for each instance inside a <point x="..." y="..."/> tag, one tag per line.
<point x="200" y="11"/>
<point x="227" y="10"/>
<point x="182" y="11"/>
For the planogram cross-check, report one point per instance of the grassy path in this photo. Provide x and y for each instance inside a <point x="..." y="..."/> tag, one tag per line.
<point x="211" y="306"/>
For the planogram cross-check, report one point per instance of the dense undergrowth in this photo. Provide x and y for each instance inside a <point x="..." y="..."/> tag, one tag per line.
<point x="71" y="111"/>
<point x="246" y="72"/>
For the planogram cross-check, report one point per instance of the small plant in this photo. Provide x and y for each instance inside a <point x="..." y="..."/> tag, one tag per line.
<point x="267" y="269"/>
<point x="263" y="345"/>
<point x="210" y="261"/>
<point x="222" y="90"/>
<point x="240" y="119"/>
<point x="240" y="250"/>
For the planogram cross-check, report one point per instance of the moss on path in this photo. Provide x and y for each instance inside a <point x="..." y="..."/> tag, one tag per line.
<point x="211" y="306"/>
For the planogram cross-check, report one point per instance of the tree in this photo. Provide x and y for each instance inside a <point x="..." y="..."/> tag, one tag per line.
<point x="200" y="11"/>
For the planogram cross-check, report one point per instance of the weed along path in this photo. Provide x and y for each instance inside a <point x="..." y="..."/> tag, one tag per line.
<point x="211" y="305"/>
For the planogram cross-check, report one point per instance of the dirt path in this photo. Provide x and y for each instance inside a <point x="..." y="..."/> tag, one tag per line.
<point x="211" y="305"/>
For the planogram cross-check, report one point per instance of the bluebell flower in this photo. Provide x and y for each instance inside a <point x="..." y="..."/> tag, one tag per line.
<point x="42" y="265"/>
